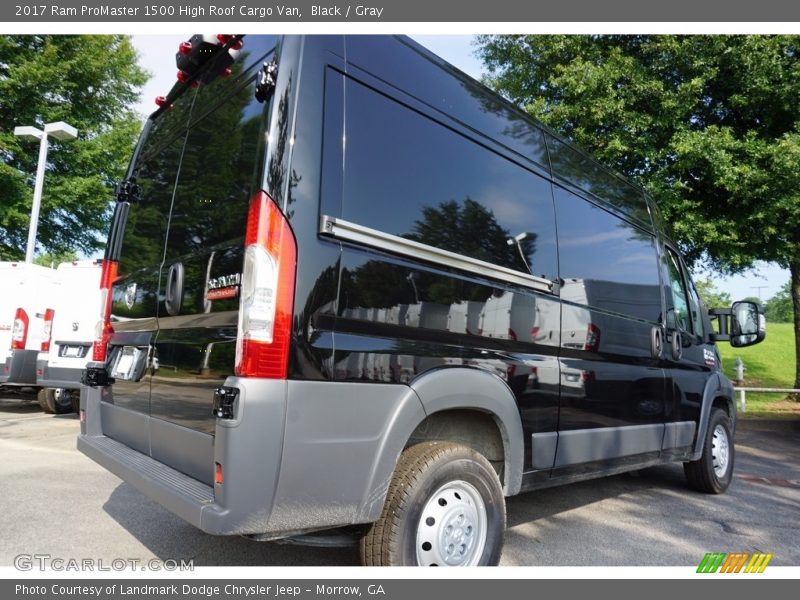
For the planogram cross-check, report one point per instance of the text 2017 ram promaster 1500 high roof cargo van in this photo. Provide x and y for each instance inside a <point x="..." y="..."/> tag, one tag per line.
<point x="277" y="355"/>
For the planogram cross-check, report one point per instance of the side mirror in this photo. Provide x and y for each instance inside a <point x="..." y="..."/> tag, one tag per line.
<point x="748" y="324"/>
<point x="742" y="325"/>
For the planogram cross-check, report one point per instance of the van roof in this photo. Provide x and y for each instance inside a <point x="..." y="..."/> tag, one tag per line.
<point x="21" y="265"/>
<point x="80" y="264"/>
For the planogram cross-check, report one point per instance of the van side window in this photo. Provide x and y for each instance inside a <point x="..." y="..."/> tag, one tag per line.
<point x="582" y="171"/>
<point x="606" y="262"/>
<point x="694" y="307"/>
<point x="411" y="176"/>
<point x="680" y="299"/>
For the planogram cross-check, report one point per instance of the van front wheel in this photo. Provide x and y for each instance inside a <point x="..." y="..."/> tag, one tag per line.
<point x="713" y="471"/>
<point x="444" y="507"/>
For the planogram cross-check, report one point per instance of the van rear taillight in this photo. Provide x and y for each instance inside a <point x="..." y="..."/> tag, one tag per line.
<point x="592" y="338"/>
<point x="267" y="294"/>
<point x="48" y="329"/>
<point x="103" y="330"/>
<point x="19" y="333"/>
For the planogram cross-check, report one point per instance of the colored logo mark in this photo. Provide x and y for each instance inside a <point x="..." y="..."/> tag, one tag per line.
<point x="738" y="562"/>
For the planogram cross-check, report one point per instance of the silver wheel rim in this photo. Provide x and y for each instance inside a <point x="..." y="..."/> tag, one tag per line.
<point x="720" y="451"/>
<point x="452" y="527"/>
<point x="61" y="397"/>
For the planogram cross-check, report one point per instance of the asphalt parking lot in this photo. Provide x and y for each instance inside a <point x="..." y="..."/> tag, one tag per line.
<point x="58" y="502"/>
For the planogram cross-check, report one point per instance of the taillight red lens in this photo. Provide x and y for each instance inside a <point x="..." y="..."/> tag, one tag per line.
<point x="19" y="334"/>
<point x="592" y="338"/>
<point x="48" y="329"/>
<point x="103" y="330"/>
<point x="267" y="294"/>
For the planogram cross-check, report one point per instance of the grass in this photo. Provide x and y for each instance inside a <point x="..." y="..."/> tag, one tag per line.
<point x="768" y="364"/>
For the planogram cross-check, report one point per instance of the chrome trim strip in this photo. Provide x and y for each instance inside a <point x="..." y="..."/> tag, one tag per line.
<point x="351" y="232"/>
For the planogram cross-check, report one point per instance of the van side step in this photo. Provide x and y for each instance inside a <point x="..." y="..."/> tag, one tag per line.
<point x="177" y="492"/>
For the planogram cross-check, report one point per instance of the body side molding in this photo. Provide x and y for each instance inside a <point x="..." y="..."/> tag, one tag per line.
<point x="589" y="445"/>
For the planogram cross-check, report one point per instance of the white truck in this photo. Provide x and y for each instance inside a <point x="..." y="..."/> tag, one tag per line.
<point x="24" y="291"/>
<point x="73" y="311"/>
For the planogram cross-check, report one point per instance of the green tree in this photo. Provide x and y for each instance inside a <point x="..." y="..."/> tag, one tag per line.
<point x="53" y="259"/>
<point x="710" y="295"/>
<point x="709" y="125"/>
<point x="778" y="309"/>
<point x="90" y="82"/>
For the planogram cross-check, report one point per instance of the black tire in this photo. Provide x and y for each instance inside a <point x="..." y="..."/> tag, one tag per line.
<point x="55" y="402"/>
<point x="426" y="477"/>
<point x="712" y="473"/>
<point x="75" y="401"/>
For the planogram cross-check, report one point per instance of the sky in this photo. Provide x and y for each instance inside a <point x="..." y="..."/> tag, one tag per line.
<point x="157" y="54"/>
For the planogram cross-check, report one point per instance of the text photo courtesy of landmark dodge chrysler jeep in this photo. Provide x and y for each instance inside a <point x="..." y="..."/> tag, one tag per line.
<point x="349" y="287"/>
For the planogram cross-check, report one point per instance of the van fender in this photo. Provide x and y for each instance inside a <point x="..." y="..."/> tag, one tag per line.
<point x="717" y="386"/>
<point x="464" y="388"/>
<point x="435" y="391"/>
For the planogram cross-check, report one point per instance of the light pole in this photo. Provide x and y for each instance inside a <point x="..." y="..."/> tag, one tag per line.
<point x="61" y="131"/>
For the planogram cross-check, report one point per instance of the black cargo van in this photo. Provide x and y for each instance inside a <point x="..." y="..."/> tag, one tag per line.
<point x="347" y="286"/>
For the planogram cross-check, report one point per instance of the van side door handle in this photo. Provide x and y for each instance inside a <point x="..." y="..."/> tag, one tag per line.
<point x="656" y="341"/>
<point x="173" y="294"/>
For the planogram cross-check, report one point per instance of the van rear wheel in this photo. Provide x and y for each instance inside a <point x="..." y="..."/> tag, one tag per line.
<point x="444" y="507"/>
<point x="55" y="401"/>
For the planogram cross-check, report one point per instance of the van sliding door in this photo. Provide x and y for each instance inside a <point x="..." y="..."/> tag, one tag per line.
<point x="613" y="394"/>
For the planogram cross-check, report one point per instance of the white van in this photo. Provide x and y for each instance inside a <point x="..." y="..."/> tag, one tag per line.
<point x="24" y="290"/>
<point x="72" y="314"/>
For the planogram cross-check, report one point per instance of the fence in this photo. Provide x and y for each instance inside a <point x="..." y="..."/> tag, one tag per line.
<point x="743" y="393"/>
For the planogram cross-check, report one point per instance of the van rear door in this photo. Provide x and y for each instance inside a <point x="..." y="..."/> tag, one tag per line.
<point x="11" y="279"/>
<point x="199" y="302"/>
<point x="135" y="293"/>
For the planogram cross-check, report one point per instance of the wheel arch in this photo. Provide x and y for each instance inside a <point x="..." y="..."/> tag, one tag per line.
<point x="718" y="392"/>
<point x="456" y="391"/>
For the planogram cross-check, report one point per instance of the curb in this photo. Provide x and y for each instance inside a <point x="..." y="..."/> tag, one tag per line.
<point x="768" y="424"/>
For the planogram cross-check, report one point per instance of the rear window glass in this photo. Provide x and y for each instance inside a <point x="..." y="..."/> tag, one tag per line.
<point x="218" y="173"/>
<point x="146" y="228"/>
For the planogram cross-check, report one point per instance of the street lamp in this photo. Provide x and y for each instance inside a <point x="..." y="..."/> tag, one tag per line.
<point x="62" y="132"/>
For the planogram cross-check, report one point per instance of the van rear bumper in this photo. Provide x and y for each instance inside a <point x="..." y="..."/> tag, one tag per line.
<point x="57" y="377"/>
<point x="297" y="456"/>
<point x="179" y="493"/>
<point x="20" y="367"/>
<point x="154" y="456"/>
